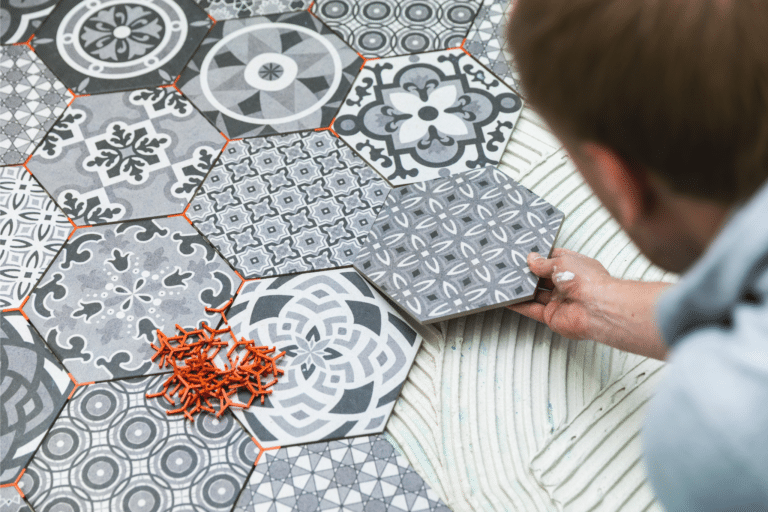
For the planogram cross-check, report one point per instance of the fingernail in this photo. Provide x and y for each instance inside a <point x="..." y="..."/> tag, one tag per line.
<point x="535" y="256"/>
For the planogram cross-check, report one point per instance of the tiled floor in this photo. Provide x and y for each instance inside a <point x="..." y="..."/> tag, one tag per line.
<point x="160" y="157"/>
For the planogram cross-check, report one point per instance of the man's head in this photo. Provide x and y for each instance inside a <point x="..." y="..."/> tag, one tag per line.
<point x="663" y="105"/>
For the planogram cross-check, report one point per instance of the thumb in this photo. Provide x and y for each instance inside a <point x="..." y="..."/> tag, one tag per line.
<point x="540" y="265"/>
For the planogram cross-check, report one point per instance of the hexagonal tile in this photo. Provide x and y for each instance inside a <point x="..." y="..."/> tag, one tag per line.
<point x="426" y="116"/>
<point x="114" y="449"/>
<point x="129" y="155"/>
<point x="230" y="9"/>
<point x="12" y="501"/>
<point x="383" y="28"/>
<point x="273" y="74"/>
<point x="348" y="352"/>
<point x="22" y="19"/>
<point x="32" y="230"/>
<point x="487" y="40"/>
<point x="363" y="473"/>
<point x="99" y="304"/>
<point x="286" y="204"/>
<point x="117" y="45"/>
<point x="458" y="245"/>
<point x="32" y="100"/>
<point x="33" y="388"/>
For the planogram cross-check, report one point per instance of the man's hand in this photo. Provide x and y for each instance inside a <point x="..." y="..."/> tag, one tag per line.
<point x="580" y="300"/>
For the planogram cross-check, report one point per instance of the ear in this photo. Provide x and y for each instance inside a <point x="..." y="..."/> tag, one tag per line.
<point x="625" y="186"/>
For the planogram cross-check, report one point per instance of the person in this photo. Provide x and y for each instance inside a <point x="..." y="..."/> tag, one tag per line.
<point x="663" y="107"/>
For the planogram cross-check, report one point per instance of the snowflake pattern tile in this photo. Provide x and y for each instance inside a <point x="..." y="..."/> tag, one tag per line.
<point x="19" y="19"/>
<point x="348" y="353"/>
<point x="287" y="204"/>
<point x="33" y="389"/>
<point x="130" y="155"/>
<point x="32" y="99"/>
<point x="458" y="245"/>
<point x="111" y="287"/>
<point x="383" y="28"/>
<point x="32" y="230"/>
<point x="362" y="473"/>
<point x="116" y="45"/>
<point x="427" y="116"/>
<point x="270" y="74"/>
<point x="487" y="41"/>
<point x="230" y="9"/>
<point x="114" y="449"/>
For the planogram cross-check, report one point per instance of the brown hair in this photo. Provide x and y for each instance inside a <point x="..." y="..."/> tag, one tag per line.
<point x="677" y="86"/>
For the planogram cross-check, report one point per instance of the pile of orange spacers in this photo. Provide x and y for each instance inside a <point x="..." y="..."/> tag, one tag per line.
<point x="198" y="383"/>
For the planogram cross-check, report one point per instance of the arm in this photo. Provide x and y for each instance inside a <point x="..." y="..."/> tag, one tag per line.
<point x="585" y="302"/>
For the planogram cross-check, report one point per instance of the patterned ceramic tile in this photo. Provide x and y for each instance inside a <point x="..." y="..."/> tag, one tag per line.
<point x="129" y="155"/>
<point x="487" y="40"/>
<point x="11" y="501"/>
<point x="33" y="388"/>
<point x="382" y="28"/>
<point x="32" y="99"/>
<point x="274" y="74"/>
<point x="20" y="18"/>
<point x="116" y="45"/>
<point x="111" y="287"/>
<point x="456" y="245"/>
<point x="290" y="203"/>
<point x="424" y="116"/>
<point x="32" y="230"/>
<point x="113" y="449"/>
<point x="363" y="473"/>
<point x="348" y="352"/>
<point x="229" y="9"/>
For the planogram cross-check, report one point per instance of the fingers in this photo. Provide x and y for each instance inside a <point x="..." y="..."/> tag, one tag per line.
<point x="532" y="310"/>
<point x="543" y="296"/>
<point x="540" y="265"/>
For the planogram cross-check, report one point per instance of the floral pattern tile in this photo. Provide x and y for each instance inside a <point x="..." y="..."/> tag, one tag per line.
<point x="384" y="28"/>
<point x="114" y="449"/>
<point x="100" y="303"/>
<point x="362" y="473"/>
<point x="20" y="18"/>
<point x="270" y="74"/>
<point x="32" y="230"/>
<point x="32" y="99"/>
<point x="453" y="246"/>
<point x="421" y="117"/>
<point x="33" y="389"/>
<point x="230" y="9"/>
<point x="487" y="41"/>
<point x="130" y="155"/>
<point x="287" y="204"/>
<point x="347" y="354"/>
<point x="115" y="45"/>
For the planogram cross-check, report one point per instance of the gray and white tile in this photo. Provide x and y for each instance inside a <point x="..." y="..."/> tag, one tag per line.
<point x="286" y="204"/>
<point x="453" y="246"/>
<point x="420" y="117"/>
<point x="487" y="40"/>
<point x="19" y="19"/>
<point x="230" y="9"/>
<point x="129" y="155"/>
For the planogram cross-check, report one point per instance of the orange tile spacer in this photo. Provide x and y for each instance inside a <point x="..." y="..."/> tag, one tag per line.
<point x="19" y="309"/>
<point x="75" y="96"/>
<point x="366" y="59"/>
<point x="76" y="227"/>
<point x="15" y="483"/>
<point x="461" y="47"/>
<point x="27" y="43"/>
<point x="329" y="128"/>
<point x="228" y="140"/>
<point x="77" y="385"/>
<point x="311" y="4"/>
<point x="182" y="214"/>
<point x="212" y="19"/>
<point x="261" y="450"/>
<point x="222" y="308"/>
<point x="25" y="164"/>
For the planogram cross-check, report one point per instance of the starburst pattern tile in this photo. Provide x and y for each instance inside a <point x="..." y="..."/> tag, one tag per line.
<point x="230" y="9"/>
<point x="452" y="246"/>
<point x="487" y="41"/>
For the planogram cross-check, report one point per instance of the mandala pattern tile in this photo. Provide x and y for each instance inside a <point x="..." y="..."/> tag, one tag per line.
<point x="11" y="501"/>
<point x="487" y="41"/>
<point x="426" y="116"/>
<point x="113" y="449"/>
<point x="33" y="388"/>
<point x="32" y="230"/>
<point x="20" y="18"/>
<point x="363" y="473"/>
<point x="348" y="352"/>
<point x="128" y="155"/>
<point x="32" y="99"/>
<point x="383" y="28"/>
<point x="288" y="203"/>
<point x="111" y="287"/>
<point x="457" y="245"/>
<point x="270" y="74"/>
<point x="116" y="45"/>
<point x="230" y="9"/>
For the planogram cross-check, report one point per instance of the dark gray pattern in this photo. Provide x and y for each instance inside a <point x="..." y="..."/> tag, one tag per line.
<point x="457" y="245"/>
<point x="487" y="40"/>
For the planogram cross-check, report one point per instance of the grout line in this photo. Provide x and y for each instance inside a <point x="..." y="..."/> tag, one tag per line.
<point x="77" y="385"/>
